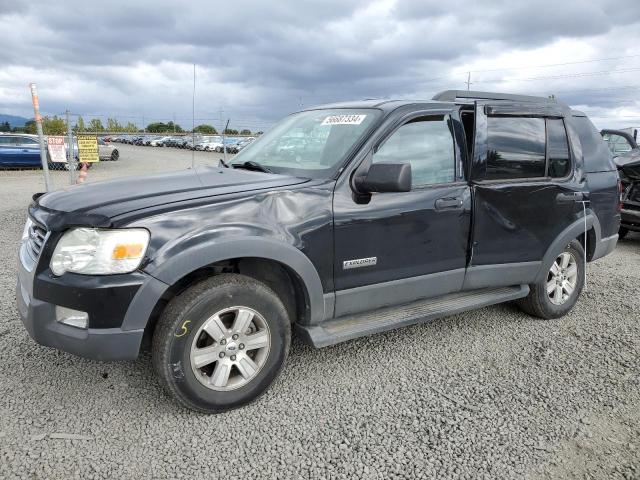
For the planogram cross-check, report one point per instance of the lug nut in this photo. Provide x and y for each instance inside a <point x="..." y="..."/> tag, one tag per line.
<point x="233" y="358"/>
<point x="235" y="336"/>
<point x="223" y="341"/>
<point x="221" y="354"/>
<point x="241" y="346"/>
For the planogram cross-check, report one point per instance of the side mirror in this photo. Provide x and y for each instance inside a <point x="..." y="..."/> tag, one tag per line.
<point x="385" y="177"/>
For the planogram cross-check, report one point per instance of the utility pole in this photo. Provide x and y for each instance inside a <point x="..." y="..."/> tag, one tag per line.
<point x="70" y="153"/>
<point x="468" y="82"/>
<point x="43" y="150"/>
<point x="193" y="119"/>
<point x="224" y="145"/>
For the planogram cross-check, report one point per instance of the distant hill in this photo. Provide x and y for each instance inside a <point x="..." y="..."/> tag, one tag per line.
<point x="13" y="120"/>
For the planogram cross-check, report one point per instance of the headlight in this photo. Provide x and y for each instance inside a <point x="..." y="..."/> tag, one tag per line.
<point x="92" y="251"/>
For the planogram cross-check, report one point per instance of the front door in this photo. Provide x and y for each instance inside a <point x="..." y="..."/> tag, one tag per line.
<point x="398" y="247"/>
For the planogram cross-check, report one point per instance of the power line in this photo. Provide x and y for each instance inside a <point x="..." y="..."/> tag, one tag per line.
<point x="557" y="77"/>
<point x="524" y="67"/>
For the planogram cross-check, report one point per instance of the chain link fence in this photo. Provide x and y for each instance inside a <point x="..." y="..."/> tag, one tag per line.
<point x="131" y="152"/>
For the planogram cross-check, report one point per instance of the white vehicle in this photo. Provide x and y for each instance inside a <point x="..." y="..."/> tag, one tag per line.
<point x="106" y="151"/>
<point x="158" y="142"/>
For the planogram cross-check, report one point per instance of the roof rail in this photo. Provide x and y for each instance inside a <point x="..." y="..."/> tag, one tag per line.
<point x="453" y="95"/>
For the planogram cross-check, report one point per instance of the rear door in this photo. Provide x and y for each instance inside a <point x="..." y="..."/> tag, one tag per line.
<point x="525" y="191"/>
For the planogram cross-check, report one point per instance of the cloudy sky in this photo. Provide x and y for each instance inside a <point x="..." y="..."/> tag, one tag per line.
<point x="257" y="61"/>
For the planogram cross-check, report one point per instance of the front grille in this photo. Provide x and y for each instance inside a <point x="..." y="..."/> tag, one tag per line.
<point x="36" y="239"/>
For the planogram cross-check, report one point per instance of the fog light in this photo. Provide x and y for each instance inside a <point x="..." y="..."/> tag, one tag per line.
<point x="72" y="317"/>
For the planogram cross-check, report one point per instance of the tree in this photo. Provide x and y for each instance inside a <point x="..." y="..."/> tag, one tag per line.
<point x="130" y="127"/>
<point x="206" y="129"/>
<point x="230" y="131"/>
<point x="161" y="127"/>
<point x="5" y="127"/>
<point x="79" y="128"/>
<point x="30" y="127"/>
<point x="54" y="126"/>
<point x="245" y="131"/>
<point x="113" y="125"/>
<point x="95" y="126"/>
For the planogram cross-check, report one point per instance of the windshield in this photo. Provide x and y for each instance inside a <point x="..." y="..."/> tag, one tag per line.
<point x="309" y="144"/>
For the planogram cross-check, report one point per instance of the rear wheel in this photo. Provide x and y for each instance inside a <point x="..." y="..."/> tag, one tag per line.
<point x="221" y="343"/>
<point x="556" y="295"/>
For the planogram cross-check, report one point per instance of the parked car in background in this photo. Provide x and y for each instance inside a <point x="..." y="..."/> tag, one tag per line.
<point x="626" y="156"/>
<point x="159" y="141"/>
<point x="243" y="144"/>
<point x="19" y="150"/>
<point x="107" y="151"/>
<point x="228" y="143"/>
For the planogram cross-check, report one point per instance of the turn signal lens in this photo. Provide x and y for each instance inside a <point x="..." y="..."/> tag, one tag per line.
<point x="127" y="251"/>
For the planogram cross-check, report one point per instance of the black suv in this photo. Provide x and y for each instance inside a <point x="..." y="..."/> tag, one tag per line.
<point x="341" y="221"/>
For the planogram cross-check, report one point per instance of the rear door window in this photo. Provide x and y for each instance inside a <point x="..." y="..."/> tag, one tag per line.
<point x="516" y="148"/>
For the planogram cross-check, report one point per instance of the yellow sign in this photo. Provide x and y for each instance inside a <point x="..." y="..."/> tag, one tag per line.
<point x="88" y="149"/>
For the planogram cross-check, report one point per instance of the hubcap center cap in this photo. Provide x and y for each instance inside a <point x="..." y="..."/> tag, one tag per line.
<point x="231" y="348"/>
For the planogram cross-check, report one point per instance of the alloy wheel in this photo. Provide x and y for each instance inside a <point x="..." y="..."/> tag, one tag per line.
<point x="562" y="278"/>
<point x="230" y="348"/>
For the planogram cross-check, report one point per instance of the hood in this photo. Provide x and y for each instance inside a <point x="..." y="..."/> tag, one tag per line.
<point x="97" y="203"/>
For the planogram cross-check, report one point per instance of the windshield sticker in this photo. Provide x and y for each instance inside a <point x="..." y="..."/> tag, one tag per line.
<point x="343" y="120"/>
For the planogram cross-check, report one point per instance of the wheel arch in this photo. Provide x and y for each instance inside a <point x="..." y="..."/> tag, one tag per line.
<point x="285" y="269"/>
<point x="575" y="231"/>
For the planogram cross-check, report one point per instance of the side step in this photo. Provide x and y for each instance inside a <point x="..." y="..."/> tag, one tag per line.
<point x="388" y="318"/>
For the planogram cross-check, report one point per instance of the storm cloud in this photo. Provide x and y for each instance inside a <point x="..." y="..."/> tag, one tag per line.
<point x="257" y="61"/>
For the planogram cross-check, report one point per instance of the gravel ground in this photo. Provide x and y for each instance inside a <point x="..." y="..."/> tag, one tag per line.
<point x="486" y="394"/>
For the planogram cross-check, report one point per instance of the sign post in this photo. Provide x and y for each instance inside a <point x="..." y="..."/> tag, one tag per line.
<point x="71" y="154"/>
<point x="43" y="150"/>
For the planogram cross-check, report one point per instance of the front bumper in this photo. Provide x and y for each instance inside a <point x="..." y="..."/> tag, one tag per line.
<point x="39" y="318"/>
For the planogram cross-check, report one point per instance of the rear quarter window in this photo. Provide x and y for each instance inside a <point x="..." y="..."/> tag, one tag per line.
<point x="596" y="154"/>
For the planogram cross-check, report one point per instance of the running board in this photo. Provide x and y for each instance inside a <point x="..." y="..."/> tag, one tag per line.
<point x="353" y="326"/>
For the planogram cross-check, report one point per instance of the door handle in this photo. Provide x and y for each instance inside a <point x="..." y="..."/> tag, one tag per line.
<point x="570" y="197"/>
<point x="448" y="203"/>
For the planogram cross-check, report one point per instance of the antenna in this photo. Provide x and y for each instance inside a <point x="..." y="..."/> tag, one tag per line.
<point x="468" y="82"/>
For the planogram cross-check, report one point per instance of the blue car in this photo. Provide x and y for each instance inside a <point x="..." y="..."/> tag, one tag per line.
<point x="19" y="150"/>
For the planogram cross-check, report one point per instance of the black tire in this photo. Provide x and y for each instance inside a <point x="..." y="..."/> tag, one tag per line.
<point x="181" y="321"/>
<point x="115" y="155"/>
<point x="623" y="232"/>
<point x="538" y="303"/>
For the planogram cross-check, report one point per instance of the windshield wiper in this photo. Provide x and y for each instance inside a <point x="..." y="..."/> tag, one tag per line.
<point x="253" y="166"/>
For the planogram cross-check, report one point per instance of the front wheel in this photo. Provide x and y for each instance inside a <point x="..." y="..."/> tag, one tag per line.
<point x="115" y="155"/>
<point x="221" y="343"/>
<point x="558" y="292"/>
